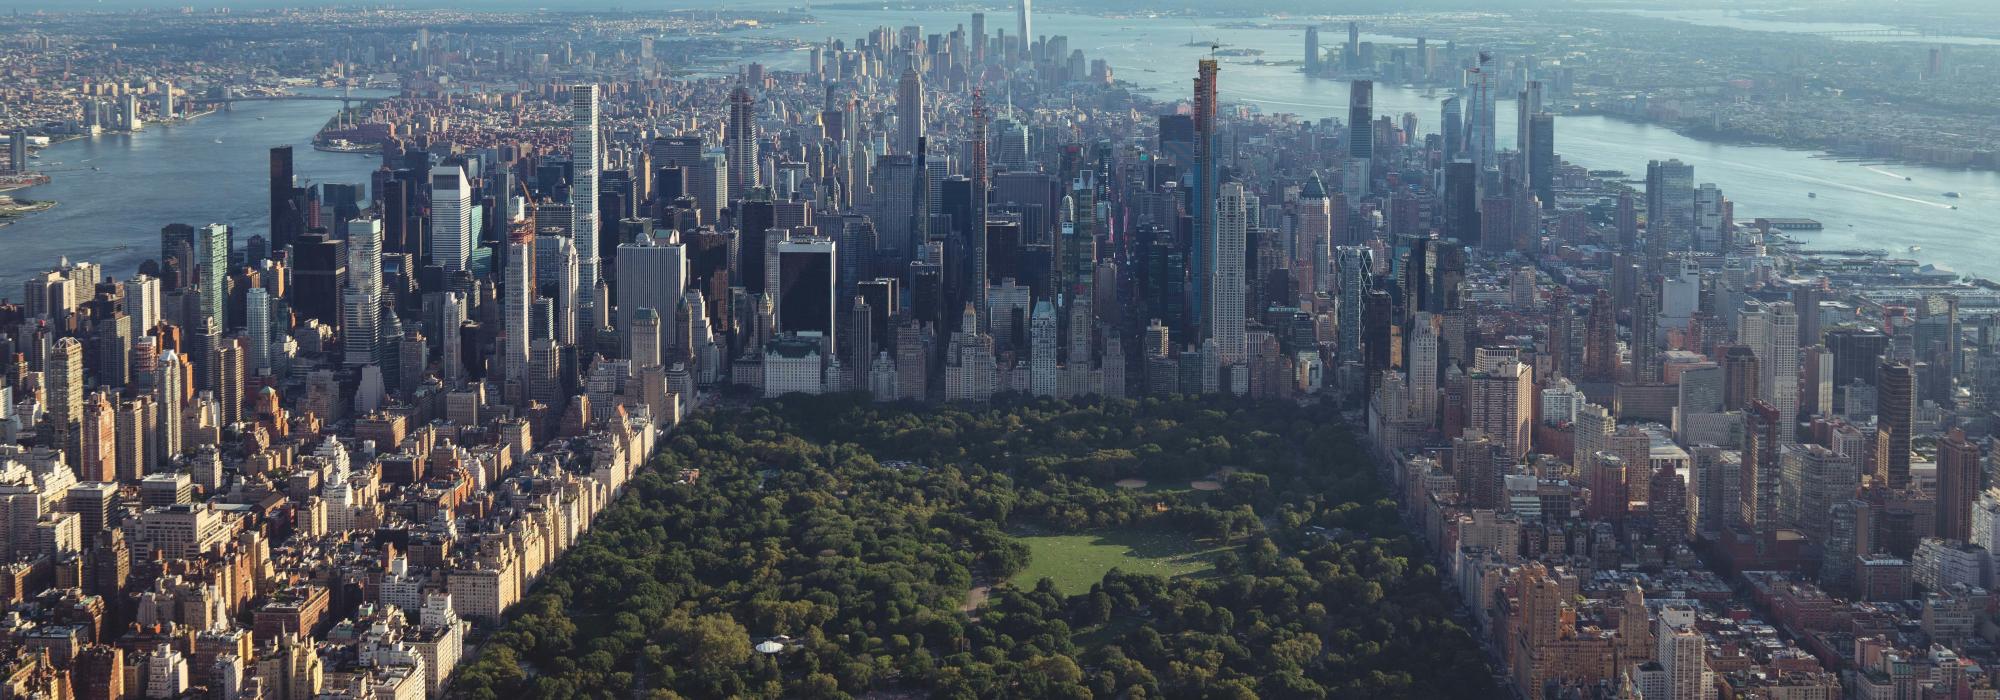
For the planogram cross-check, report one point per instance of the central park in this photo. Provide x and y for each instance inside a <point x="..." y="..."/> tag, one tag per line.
<point x="829" y="547"/>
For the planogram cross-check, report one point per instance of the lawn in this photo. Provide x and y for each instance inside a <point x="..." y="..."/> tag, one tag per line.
<point x="1075" y="562"/>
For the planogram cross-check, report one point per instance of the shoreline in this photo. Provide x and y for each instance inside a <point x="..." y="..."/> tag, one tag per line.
<point x="1738" y="139"/>
<point x="11" y="211"/>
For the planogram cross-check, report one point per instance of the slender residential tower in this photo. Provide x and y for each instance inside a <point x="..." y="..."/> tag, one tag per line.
<point x="583" y="190"/>
<point x="1203" y="203"/>
<point x="980" y="172"/>
<point x="1226" y="320"/>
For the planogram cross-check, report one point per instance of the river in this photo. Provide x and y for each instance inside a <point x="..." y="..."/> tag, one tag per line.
<point x="178" y="173"/>
<point x="212" y="169"/>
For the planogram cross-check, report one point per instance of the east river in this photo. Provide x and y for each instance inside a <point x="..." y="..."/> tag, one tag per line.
<point x="213" y="169"/>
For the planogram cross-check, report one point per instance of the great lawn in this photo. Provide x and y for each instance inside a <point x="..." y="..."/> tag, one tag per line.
<point x="1074" y="562"/>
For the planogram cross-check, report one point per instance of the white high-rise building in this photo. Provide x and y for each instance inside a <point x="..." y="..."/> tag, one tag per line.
<point x="361" y="301"/>
<point x="364" y="255"/>
<point x="1683" y="656"/>
<point x="1772" y="332"/>
<point x="1986" y="526"/>
<point x="142" y="302"/>
<point x="1226" y="310"/>
<point x="1042" y="379"/>
<point x="1560" y="401"/>
<point x="1594" y="427"/>
<point x="518" y="292"/>
<point x="583" y="154"/>
<point x="211" y="263"/>
<point x="652" y="274"/>
<point x="168" y="386"/>
<point x="452" y="236"/>
<point x="556" y="262"/>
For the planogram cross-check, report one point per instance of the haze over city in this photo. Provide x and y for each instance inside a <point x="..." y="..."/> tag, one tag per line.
<point x="1584" y="350"/>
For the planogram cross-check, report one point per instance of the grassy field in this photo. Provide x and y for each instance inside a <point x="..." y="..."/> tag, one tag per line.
<point x="1075" y="562"/>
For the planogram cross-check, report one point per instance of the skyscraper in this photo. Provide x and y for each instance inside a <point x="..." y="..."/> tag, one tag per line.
<point x="1027" y="25"/>
<point x="643" y="339"/>
<point x="1360" y="139"/>
<point x="288" y="222"/>
<point x="1353" y="269"/>
<point x="257" y="316"/>
<point x="583" y="154"/>
<point x="1481" y="113"/>
<point x="1202" y="206"/>
<point x="977" y="227"/>
<point x="17" y="151"/>
<point x="451" y="363"/>
<point x="1761" y="475"/>
<point x="1451" y="121"/>
<point x="212" y="271"/>
<point x="452" y="236"/>
<point x="1683" y="654"/>
<point x="739" y="142"/>
<point x="361" y="305"/>
<point x="518" y="294"/>
<point x="909" y="110"/>
<point x="1351" y="53"/>
<point x="1895" y="420"/>
<point x="1042" y="377"/>
<point x="1312" y="50"/>
<point x="1541" y="156"/>
<point x="64" y="369"/>
<point x="652" y="274"/>
<point x="1424" y="369"/>
<point x="1958" y="485"/>
<point x="1226" y="323"/>
<point x="319" y="276"/>
<point x="1313" y="244"/>
<point x="805" y="287"/>
<point x="1527" y="104"/>
<point x="1669" y="209"/>
<point x="1771" y="330"/>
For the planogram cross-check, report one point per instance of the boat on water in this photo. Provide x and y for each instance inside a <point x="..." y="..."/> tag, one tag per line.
<point x="1916" y="249"/>
<point x="1812" y="195"/>
<point x="218" y="140"/>
<point x="1951" y="195"/>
